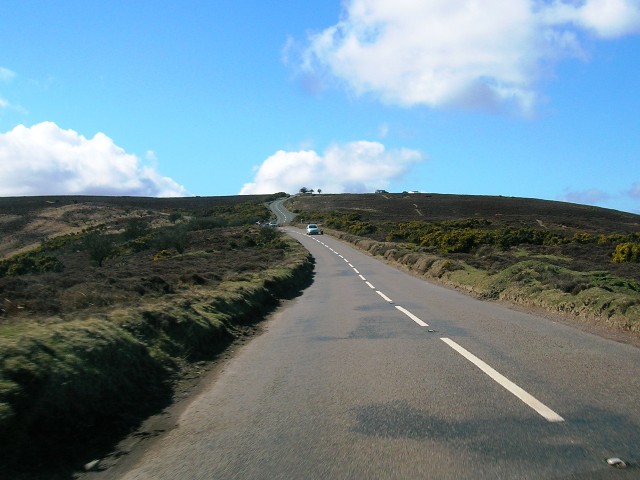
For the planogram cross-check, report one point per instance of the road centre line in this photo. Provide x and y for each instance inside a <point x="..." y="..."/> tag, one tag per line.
<point x="412" y="316"/>
<point x="527" y="398"/>
<point x="387" y="299"/>
<point x="543" y="410"/>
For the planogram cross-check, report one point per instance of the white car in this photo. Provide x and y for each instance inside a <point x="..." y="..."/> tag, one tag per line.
<point x="313" y="229"/>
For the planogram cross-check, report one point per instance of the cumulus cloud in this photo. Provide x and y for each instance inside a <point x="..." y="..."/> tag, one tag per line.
<point x="355" y="167"/>
<point x="605" y="18"/>
<point x="487" y="54"/>
<point x="47" y="160"/>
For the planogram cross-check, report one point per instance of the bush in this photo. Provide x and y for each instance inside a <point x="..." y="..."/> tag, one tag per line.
<point x="135" y="228"/>
<point x="174" y="217"/>
<point x="207" y="223"/>
<point x="99" y="247"/>
<point x="270" y="238"/>
<point x="173" y="237"/>
<point x="32" y="262"/>
<point x="627" y="252"/>
<point x="162" y="255"/>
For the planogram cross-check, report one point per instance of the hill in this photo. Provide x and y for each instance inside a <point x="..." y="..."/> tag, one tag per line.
<point x="576" y="260"/>
<point x="513" y="211"/>
<point x="106" y="302"/>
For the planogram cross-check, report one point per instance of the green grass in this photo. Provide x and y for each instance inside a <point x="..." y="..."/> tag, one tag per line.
<point x="597" y="297"/>
<point x="63" y="382"/>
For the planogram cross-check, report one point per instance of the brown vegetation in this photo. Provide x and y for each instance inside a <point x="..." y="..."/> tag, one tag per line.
<point x="103" y="306"/>
<point x="574" y="259"/>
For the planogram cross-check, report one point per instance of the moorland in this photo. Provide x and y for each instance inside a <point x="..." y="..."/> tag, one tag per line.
<point x="579" y="262"/>
<point x="106" y="302"/>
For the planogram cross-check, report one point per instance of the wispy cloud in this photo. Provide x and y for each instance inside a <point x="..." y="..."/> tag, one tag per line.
<point x="592" y="196"/>
<point x="360" y="166"/>
<point x="47" y="160"/>
<point x="6" y="74"/>
<point x="634" y="191"/>
<point x="487" y="55"/>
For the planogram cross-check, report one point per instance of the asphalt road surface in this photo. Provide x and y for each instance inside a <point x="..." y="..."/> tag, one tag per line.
<point x="282" y="214"/>
<point x="376" y="374"/>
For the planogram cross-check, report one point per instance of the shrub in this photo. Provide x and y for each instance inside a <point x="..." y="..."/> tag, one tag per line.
<point x="362" y="228"/>
<point x="162" y="255"/>
<point x="270" y="238"/>
<point x="31" y="262"/>
<point x="173" y="237"/>
<point x="174" y="217"/>
<point x="99" y="247"/>
<point x="207" y="223"/>
<point x="135" y="228"/>
<point x="627" y="252"/>
<point x="140" y="243"/>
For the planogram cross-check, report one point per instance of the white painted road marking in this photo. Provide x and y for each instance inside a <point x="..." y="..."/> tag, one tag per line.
<point x="371" y="286"/>
<point x="362" y="278"/>
<point x="387" y="299"/>
<point x="351" y="266"/>
<point x="534" y="403"/>
<point x="355" y="270"/>
<point x="412" y="316"/>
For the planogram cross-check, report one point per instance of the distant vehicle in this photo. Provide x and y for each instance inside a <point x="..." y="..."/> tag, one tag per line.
<point x="313" y="229"/>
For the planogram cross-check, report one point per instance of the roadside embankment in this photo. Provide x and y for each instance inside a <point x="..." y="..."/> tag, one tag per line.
<point x="86" y="381"/>
<point x="593" y="298"/>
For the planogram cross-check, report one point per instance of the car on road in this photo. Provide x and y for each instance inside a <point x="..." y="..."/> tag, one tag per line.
<point x="313" y="229"/>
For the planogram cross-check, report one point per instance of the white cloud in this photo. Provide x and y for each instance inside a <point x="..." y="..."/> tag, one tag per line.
<point x="634" y="192"/>
<point x="458" y="52"/>
<point x="355" y="167"/>
<point x="47" y="160"/>
<point x="605" y="18"/>
<point x="6" y="74"/>
<point x="592" y="196"/>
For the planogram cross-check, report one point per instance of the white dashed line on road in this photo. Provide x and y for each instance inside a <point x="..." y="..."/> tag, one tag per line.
<point x="370" y="286"/>
<point x="527" y="398"/>
<point x="386" y="299"/>
<point x="412" y="316"/>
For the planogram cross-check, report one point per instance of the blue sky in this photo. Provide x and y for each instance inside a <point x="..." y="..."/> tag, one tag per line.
<point x="529" y="98"/>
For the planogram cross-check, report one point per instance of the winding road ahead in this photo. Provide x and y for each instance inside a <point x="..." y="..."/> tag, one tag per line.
<point x="376" y="374"/>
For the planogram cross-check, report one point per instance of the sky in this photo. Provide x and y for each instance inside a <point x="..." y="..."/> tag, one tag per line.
<point x="526" y="98"/>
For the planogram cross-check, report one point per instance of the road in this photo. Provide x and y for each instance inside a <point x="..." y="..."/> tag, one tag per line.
<point x="376" y="374"/>
<point x="283" y="215"/>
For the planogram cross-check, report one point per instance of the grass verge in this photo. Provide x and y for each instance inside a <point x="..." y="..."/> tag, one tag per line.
<point x="594" y="297"/>
<point x="69" y="388"/>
